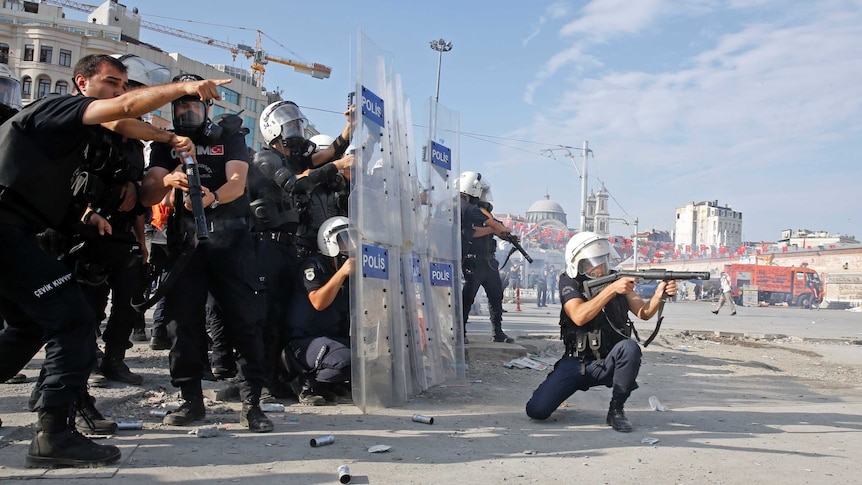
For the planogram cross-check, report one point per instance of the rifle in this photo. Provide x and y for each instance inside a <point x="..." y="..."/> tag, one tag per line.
<point x="511" y="239"/>
<point x="163" y="281"/>
<point x="196" y="195"/>
<point x="594" y="286"/>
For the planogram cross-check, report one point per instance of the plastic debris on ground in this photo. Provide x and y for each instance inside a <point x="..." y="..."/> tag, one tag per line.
<point x="205" y="431"/>
<point x="656" y="405"/>
<point x="379" y="449"/>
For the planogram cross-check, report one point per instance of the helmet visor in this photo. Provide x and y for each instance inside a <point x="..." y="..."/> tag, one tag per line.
<point x="290" y="119"/>
<point x="10" y="93"/>
<point x="595" y="266"/>
<point x="189" y="114"/>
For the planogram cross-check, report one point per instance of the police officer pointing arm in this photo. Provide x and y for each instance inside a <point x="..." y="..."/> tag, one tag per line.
<point x="41" y="147"/>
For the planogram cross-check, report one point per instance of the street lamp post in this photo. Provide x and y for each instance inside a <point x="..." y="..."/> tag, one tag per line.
<point x="440" y="46"/>
<point x="582" y="173"/>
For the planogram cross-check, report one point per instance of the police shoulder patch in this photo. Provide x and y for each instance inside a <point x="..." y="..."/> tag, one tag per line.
<point x="309" y="274"/>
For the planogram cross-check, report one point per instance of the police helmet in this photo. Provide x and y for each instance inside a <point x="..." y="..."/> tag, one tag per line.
<point x="283" y="120"/>
<point x="333" y="237"/>
<point x="142" y="72"/>
<point x="189" y="111"/>
<point x="587" y="251"/>
<point x="471" y="183"/>
<point x="10" y="89"/>
<point x="322" y="141"/>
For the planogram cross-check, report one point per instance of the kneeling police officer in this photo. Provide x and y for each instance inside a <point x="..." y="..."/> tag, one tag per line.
<point x="597" y="332"/>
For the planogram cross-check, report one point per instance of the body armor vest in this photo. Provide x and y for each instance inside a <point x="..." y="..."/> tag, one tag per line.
<point x="595" y="340"/>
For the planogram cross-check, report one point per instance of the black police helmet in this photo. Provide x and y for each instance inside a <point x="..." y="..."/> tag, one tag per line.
<point x="189" y="112"/>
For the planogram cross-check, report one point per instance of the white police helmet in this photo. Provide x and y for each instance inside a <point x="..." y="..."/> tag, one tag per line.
<point x="333" y="237"/>
<point x="10" y="89"/>
<point x="282" y="119"/>
<point x="471" y="183"/>
<point x="142" y="72"/>
<point x="589" y="250"/>
<point x="321" y="141"/>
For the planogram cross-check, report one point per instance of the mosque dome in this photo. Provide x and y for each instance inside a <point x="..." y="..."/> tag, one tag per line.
<point x="545" y="211"/>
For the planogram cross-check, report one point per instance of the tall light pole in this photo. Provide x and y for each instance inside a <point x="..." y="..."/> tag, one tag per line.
<point x="440" y="46"/>
<point x="582" y="173"/>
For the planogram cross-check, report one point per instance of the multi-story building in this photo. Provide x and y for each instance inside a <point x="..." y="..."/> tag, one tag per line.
<point x="41" y="46"/>
<point x="707" y="224"/>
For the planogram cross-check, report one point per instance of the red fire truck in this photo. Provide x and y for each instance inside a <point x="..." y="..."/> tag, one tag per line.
<point x="776" y="284"/>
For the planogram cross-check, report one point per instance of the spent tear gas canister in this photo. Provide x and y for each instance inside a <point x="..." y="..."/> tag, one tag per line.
<point x="322" y="441"/>
<point x="130" y="424"/>
<point x="420" y="418"/>
<point x="344" y="474"/>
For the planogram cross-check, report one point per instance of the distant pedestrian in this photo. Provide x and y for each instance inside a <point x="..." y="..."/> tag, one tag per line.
<point x="725" y="296"/>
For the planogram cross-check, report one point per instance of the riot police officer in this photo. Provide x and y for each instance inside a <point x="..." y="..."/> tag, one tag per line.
<point x="41" y="148"/>
<point x="293" y="190"/>
<point x="599" y="350"/>
<point x="479" y="266"/>
<point x="318" y="339"/>
<point x="222" y="265"/>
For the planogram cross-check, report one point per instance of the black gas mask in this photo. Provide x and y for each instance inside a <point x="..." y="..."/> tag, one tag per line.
<point x="190" y="118"/>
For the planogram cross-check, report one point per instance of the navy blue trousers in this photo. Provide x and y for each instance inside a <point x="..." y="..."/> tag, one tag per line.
<point x="619" y="370"/>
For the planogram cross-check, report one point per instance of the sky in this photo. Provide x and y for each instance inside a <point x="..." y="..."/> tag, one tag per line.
<point x="756" y="104"/>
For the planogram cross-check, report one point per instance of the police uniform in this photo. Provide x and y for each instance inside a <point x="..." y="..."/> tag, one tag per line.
<point x="287" y="211"/>
<point x="223" y="265"/>
<point x="480" y="268"/>
<point x="40" y="149"/>
<point x="124" y="283"/>
<point x="320" y="339"/>
<point x="613" y="360"/>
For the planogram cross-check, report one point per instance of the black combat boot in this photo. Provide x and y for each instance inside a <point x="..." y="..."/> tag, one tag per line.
<point x="57" y="443"/>
<point x="253" y="417"/>
<point x="191" y="410"/>
<point x="115" y="369"/>
<point x="88" y="420"/>
<point x="617" y="417"/>
<point x="160" y="342"/>
<point x="500" y="336"/>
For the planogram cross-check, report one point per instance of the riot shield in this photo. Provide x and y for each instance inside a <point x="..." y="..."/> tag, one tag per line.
<point x="443" y="235"/>
<point x="377" y="326"/>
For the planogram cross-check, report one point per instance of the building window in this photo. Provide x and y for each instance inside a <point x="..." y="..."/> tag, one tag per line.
<point x="249" y="122"/>
<point x="250" y="104"/>
<point x="44" y="88"/>
<point x="26" y="87"/>
<point x="45" y="53"/>
<point x="4" y="53"/>
<point x="65" y="58"/>
<point x="217" y="110"/>
<point x="29" y="49"/>
<point x="62" y="87"/>
<point x="229" y="95"/>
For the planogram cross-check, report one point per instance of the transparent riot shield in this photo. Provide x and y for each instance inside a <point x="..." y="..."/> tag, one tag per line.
<point x="424" y="351"/>
<point x="377" y="322"/>
<point x="441" y="157"/>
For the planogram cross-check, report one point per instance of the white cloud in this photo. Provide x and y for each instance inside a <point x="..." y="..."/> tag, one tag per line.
<point x="774" y="104"/>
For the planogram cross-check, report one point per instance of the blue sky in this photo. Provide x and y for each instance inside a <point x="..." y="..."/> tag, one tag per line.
<point x="754" y="103"/>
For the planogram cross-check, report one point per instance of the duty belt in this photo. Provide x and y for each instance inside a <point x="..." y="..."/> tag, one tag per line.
<point x="232" y="224"/>
<point x="279" y="237"/>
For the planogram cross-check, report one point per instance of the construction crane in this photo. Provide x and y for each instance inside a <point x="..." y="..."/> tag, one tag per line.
<point x="257" y="55"/>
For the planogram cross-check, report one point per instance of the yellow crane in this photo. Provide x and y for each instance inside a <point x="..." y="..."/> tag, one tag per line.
<point x="257" y="55"/>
